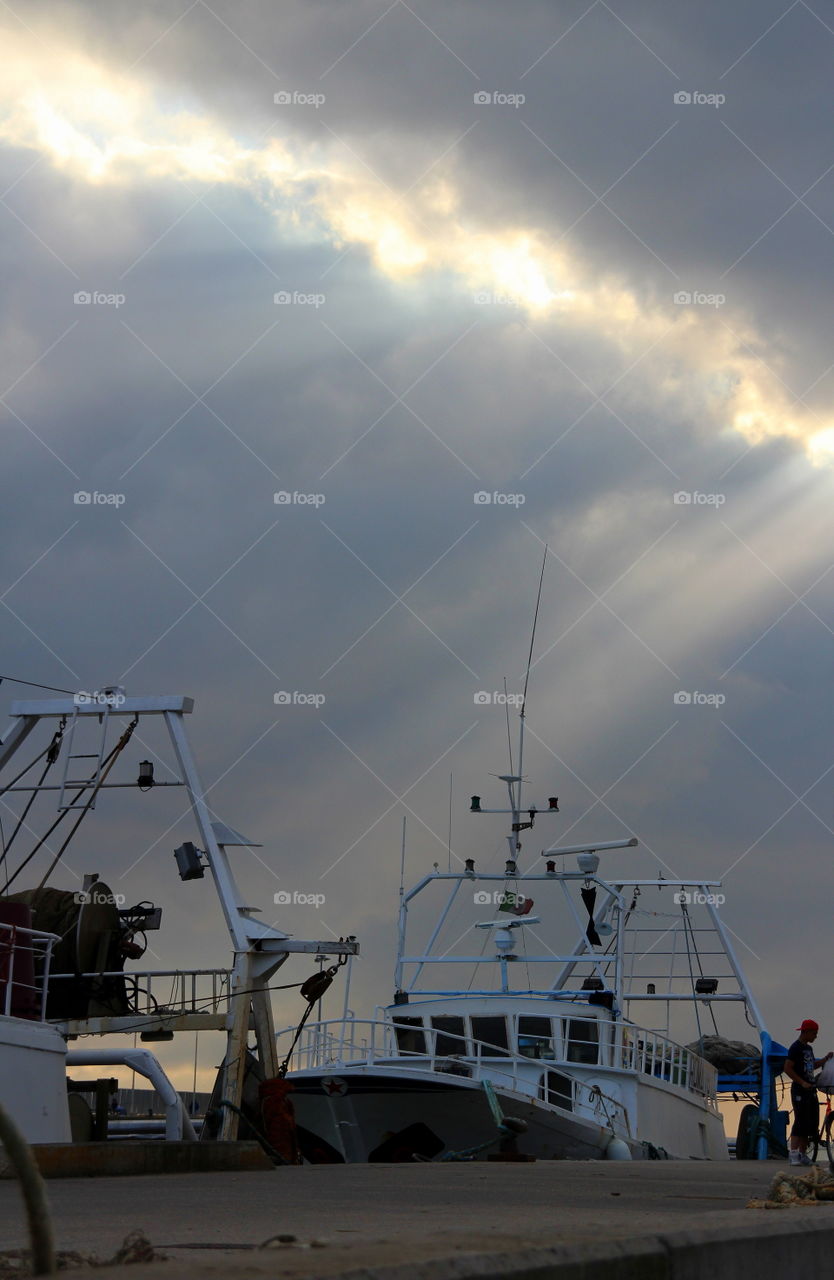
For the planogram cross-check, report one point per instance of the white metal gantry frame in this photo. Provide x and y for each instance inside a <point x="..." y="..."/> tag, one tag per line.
<point x="607" y="965"/>
<point x="259" y="949"/>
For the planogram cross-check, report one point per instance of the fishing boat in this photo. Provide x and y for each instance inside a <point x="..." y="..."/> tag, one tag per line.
<point x="68" y="955"/>
<point x="551" y="1066"/>
<point x="518" y="1028"/>
<point x="539" y="1050"/>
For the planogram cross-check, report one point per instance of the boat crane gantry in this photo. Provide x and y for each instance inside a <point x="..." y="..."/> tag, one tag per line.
<point x="259" y="949"/>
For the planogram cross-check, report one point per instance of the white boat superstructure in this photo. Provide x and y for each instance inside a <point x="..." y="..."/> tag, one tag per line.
<point x="565" y="1056"/>
<point x="33" y="1086"/>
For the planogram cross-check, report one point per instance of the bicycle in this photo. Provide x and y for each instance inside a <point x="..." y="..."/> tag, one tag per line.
<point x="825" y="1137"/>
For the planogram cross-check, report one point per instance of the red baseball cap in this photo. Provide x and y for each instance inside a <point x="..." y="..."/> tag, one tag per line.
<point x="809" y="1025"/>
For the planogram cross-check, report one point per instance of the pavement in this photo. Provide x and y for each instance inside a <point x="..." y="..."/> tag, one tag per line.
<point x="482" y="1218"/>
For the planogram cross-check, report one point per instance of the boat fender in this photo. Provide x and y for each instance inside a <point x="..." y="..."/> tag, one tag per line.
<point x="278" y="1118"/>
<point x="617" y="1150"/>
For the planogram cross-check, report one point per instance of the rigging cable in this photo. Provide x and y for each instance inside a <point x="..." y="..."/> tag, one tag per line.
<point x="532" y="640"/>
<point x="114" y="755"/>
<point x="685" y="916"/>
<point x="109" y="760"/>
<point x="32" y="684"/>
<point x="701" y="971"/>
<point x="51" y="752"/>
<point x="25" y="770"/>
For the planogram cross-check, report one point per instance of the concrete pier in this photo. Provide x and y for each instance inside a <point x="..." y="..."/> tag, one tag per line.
<point x="439" y="1221"/>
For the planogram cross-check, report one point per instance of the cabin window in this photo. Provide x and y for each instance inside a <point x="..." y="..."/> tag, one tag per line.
<point x="583" y="1042"/>
<point x="410" y="1035"/>
<point x="557" y="1090"/>
<point x="493" y="1033"/>
<point x="535" y="1037"/>
<point x="451" y="1035"/>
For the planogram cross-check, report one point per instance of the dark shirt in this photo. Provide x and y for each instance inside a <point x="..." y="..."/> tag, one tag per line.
<point x="802" y="1058"/>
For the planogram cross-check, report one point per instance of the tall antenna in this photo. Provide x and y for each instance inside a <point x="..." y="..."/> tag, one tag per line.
<point x="509" y="738"/>
<point x="450" y="822"/>
<point x="533" y="635"/>
<point x="518" y="785"/>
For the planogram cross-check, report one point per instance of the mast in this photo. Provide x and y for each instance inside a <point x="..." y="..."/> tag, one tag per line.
<point x="517" y="806"/>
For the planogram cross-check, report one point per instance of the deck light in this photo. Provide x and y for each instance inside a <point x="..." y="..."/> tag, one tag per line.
<point x="650" y="989"/>
<point x="188" y="862"/>
<point x="145" y="780"/>
<point x="551" y="868"/>
<point x="592" y="984"/>
<point x="706" y="986"/>
<point x="475" y="806"/>
<point x="511" y="868"/>
<point x="156" y="1037"/>
<point x="469" y="867"/>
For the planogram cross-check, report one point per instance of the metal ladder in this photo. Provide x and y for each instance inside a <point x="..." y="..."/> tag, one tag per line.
<point x="84" y="784"/>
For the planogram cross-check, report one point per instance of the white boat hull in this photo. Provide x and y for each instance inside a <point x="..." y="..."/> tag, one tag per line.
<point x="357" y="1112"/>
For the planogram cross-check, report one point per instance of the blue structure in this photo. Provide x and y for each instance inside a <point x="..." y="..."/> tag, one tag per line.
<point x="759" y="1083"/>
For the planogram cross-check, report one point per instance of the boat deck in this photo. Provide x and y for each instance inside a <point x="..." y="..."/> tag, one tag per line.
<point x="383" y="1215"/>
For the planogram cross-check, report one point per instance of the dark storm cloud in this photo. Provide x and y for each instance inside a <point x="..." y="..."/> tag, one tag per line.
<point x="636" y="606"/>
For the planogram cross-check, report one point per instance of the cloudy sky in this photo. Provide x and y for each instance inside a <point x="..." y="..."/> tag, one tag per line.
<point x="455" y="282"/>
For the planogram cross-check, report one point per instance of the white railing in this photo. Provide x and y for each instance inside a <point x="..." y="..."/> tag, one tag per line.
<point x="25" y="959"/>
<point x="173" y="991"/>
<point x="614" y="1045"/>
<point x="652" y="1054"/>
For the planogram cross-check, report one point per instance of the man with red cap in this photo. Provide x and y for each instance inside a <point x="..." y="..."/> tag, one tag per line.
<point x="800" y="1066"/>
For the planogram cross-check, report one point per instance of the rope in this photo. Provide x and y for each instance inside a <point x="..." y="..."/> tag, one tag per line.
<point x="34" y="1195"/>
<point x="270" y="1150"/>
<point x="284" y="1067"/>
<point x="469" y="1153"/>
